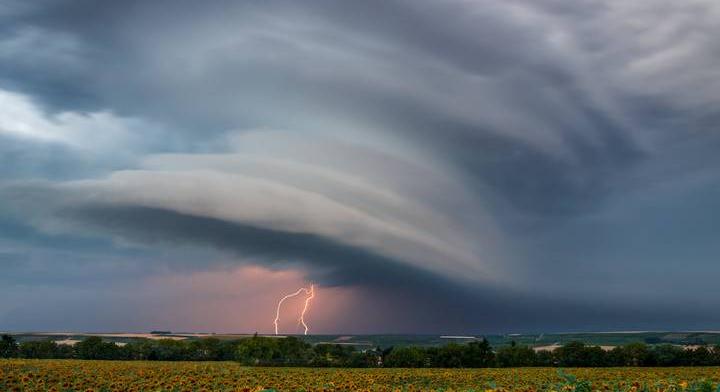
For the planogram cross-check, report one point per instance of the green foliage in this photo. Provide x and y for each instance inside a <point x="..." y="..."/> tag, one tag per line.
<point x="8" y="347"/>
<point x="95" y="348"/>
<point x="666" y="355"/>
<point x="473" y="354"/>
<point x="516" y="356"/>
<point x="293" y="351"/>
<point x="44" y="349"/>
<point x="407" y="357"/>
<point x="544" y="358"/>
<point x="570" y="382"/>
<point x="479" y="354"/>
<point x="576" y="354"/>
<point x="335" y="355"/>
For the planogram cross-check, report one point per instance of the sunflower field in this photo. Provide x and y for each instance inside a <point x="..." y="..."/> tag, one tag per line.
<point x="77" y="375"/>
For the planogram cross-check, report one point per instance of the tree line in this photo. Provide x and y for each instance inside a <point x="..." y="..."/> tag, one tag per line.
<point x="257" y="350"/>
<point x="291" y="351"/>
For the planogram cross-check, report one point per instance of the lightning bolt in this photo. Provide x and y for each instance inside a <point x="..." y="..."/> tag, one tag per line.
<point x="305" y="308"/>
<point x="311" y="294"/>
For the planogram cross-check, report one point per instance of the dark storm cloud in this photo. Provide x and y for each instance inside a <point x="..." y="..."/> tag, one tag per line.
<point x="414" y="299"/>
<point x="242" y="83"/>
<point x="547" y="129"/>
<point x="332" y="263"/>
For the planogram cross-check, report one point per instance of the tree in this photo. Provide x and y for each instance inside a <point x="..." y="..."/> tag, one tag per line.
<point x="617" y="356"/>
<point x="515" y="356"/>
<point x="44" y="349"/>
<point x="257" y="351"/>
<point x="701" y="356"/>
<point x="715" y="355"/>
<point x="637" y="354"/>
<point x="294" y="351"/>
<point x="545" y="358"/>
<point x="331" y="355"/>
<point x="668" y="355"/>
<point x="143" y="350"/>
<point x="453" y="355"/>
<point x="572" y="354"/>
<point x="575" y="354"/>
<point x="596" y="356"/>
<point x="366" y="359"/>
<point x="208" y="349"/>
<point x="406" y="357"/>
<point x="8" y="347"/>
<point x="93" y="347"/>
<point x="227" y="350"/>
<point x="171" y="350"/>
<point x="478" y="354"/>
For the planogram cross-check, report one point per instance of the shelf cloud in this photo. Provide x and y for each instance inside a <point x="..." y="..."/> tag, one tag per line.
<point x="509" y="165"/>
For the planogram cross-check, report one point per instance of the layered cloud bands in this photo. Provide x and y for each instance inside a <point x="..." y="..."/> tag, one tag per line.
<point x="547" y="163"/>
<point x="295" y="202"/>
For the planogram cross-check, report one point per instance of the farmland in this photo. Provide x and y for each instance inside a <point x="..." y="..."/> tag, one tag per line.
<point x="363" y="341"/>
<point x="77" y="375"/>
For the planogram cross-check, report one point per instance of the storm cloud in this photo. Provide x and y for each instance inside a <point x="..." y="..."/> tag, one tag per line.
<point x="511" y="164"/>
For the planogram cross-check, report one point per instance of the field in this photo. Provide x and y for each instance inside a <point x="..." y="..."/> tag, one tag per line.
<point x="75" y="375"/>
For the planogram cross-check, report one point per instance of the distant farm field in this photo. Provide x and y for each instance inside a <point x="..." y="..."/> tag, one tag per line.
<point x="75" y="375"/>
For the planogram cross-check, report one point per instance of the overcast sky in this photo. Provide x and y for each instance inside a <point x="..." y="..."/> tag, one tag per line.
<point x="431" y="166"/>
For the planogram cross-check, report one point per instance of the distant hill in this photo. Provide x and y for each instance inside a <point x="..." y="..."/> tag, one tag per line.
<point x="605" y="339"/>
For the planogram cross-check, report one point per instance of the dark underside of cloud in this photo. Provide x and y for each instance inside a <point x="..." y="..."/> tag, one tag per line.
<point x="411" y="299"/>
<point x="329" y="262"/>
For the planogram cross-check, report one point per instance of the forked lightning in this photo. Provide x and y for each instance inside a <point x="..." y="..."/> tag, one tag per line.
<point x="310" y="295"/>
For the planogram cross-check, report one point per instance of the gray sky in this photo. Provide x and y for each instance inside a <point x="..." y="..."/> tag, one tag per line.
<point x="456" y="166"/>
